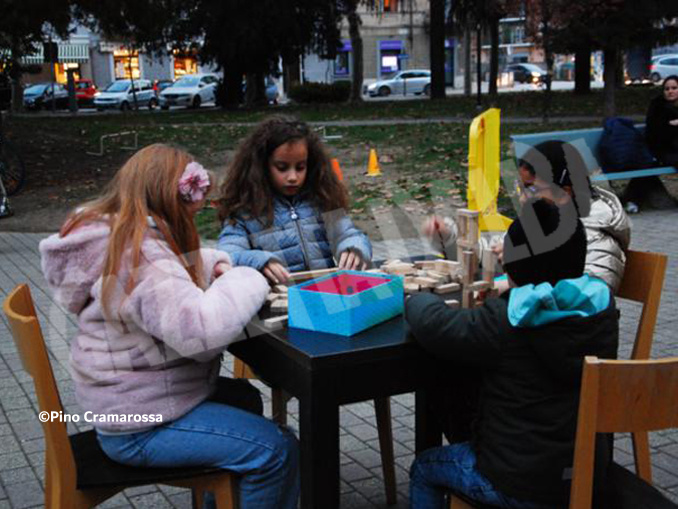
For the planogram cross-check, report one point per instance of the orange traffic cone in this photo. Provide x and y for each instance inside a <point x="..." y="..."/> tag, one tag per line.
<point x="373" y="169"/>
<point x="337" y="169"/>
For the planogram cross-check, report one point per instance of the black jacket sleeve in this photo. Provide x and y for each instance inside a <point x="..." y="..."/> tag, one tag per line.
<point x="469" y="336"/>
<point x="657" y="131"/>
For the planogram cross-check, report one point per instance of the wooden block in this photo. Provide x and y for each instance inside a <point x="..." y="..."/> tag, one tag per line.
<point x="467" y="300"/>
<point x="411" y="287"/>
<point x="447" y="288"/>
<point x="280" y="289"/>
<point x="452" y="303"/>
<point x="279" y="305"/>
<point x="438" y="276"/>
<point x="426" y="264"/>
<point x="311" y="274"/>
<point x="470" y="264"/>
<point x="479" y="286"/>
<point x="275" y="322"/>
<point x="400" y="269"/>
<point x="272" y="296"/>
<point x="447" y="267"/>
<point x="395" y="261"/>
<point x="425" y="282"/>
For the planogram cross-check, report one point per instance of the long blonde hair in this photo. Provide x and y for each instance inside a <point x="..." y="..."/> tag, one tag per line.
<point x="146" y="186"/>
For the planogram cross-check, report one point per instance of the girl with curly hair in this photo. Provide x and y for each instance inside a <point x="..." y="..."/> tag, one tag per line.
<point x="283" y="208"/>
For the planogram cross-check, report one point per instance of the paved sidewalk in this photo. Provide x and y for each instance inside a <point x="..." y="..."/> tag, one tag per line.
<point x="22" y="446"/>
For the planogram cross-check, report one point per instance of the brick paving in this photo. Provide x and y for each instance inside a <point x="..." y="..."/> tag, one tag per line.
<point x="22" y="446"/>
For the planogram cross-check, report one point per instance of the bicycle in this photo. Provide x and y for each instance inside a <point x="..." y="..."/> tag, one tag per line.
<point x="12" y="169"/>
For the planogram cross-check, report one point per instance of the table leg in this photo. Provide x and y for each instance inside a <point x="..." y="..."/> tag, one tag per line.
<point x="319" y="436"/>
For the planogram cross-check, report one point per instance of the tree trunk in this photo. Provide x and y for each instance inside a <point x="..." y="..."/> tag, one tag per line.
<point x="255" y="90"/>
<point x="437" y="44"/>
<point x="610" y="78"/>
<point x="232" y="90"/>
<point x="15" y="76"/>
<point x="357" y="52"/>
<point x="582" y="70"/>
<point x="548" y="56"/>
<point x="291" y="72"/>
<point x="494" y="59"/>
<point x="468" y="76"/>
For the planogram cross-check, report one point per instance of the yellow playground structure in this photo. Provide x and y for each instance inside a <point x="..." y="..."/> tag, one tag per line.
<point x="483" y="171"/>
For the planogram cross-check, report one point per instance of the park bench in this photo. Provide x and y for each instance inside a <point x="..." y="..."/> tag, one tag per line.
<point x="586" y="141"/>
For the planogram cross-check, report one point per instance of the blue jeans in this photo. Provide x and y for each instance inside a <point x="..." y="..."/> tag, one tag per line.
<point x="453" y="467"/>
<point x="223" y="436"/>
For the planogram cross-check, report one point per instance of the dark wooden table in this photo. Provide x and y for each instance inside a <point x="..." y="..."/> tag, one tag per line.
<point x="325" y="371"/>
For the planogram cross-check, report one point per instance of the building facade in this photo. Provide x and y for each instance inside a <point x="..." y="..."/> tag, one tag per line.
<point x="395" y="37"/>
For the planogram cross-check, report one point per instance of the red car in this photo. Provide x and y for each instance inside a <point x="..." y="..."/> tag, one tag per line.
<point x="84" y="91"/>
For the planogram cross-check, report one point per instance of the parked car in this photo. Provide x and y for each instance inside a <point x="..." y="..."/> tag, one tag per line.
<point x="191" y="90"/>
<point x="160" y="85"/>
<point x="120" y="95"/>
<point x="39" y="95"/>
<point x="412" y="81"/>
<point x="85" y="90"/>
<point x="663" y="66"/>
<point x="527" y="73"/>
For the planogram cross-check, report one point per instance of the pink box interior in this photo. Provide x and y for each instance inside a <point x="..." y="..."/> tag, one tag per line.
<point x="346" y="284"/>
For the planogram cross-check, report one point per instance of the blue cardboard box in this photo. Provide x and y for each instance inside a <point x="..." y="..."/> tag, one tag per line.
<point x="345" y="302"/>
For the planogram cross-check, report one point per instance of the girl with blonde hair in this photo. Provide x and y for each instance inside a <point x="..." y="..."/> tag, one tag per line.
<point x="155" y="312"/>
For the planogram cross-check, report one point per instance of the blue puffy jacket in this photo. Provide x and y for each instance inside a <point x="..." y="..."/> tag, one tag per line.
<point x="301" y="238"/>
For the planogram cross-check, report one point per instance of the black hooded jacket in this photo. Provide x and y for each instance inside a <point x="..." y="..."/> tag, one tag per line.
<point x="524" y="434"/>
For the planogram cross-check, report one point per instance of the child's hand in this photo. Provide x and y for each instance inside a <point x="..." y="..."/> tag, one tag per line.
<point x="434" y="228"/>
<point x="351" y="260"/>
<point x="275" y="272"/>
<point x="220" y="268"/>
<point x="498" y="250"/>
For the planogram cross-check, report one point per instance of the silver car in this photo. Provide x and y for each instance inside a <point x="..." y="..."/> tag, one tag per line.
<point x="663" y="66"/>
<point x="120" y="95"/>
<point x="412" y="81"/>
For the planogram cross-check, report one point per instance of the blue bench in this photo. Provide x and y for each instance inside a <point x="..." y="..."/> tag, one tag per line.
<point x="586" y="142"/>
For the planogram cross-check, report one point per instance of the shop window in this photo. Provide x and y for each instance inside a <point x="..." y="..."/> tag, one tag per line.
<point x="342" y="63"/>
<point x="61" y="70"/>
<point x="389" y="56"/>
<point x="126" y="64"/>
<point x="184" y="63"/>
<point x="390" y="5"/>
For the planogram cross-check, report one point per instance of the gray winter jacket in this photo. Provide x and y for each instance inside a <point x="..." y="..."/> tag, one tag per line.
<point x="608" y="234"/>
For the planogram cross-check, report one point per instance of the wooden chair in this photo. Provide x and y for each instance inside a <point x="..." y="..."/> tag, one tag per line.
<point x="625" y="397"/>
<point x="382" y="408"/>
<point x="642" y="282"/>
<point x="77" y="472"/>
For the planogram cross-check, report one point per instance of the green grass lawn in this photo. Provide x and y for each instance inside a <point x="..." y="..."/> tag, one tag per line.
<point x="423" y="164"/>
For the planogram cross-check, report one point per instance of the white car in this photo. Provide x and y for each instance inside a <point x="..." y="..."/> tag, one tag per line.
<point x="663" y="66"/>
<point x="191" y="90"/>
<point x="120" y="95"/>
<point x="412" y="81"/>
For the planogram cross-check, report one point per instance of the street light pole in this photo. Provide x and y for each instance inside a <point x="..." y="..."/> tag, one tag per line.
<point x="478" y="70"/>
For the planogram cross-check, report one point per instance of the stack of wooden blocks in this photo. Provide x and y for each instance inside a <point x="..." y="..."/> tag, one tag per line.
<point x="444" y="276"/>
<point x="441" y="277"/>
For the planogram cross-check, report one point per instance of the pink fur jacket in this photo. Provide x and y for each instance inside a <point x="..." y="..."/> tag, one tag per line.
<point x="159" y="352"/>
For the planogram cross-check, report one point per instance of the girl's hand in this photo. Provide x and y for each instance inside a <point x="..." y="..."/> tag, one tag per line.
<point x="434" y="228"/>
<point x="498" y="250"/>
<point x="220" y="268"/>
<point x="351" y="260"/>
<point x="275" y="272"/>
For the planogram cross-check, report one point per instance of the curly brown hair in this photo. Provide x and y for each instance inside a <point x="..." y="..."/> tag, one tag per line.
<point x="248" y="187"/>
